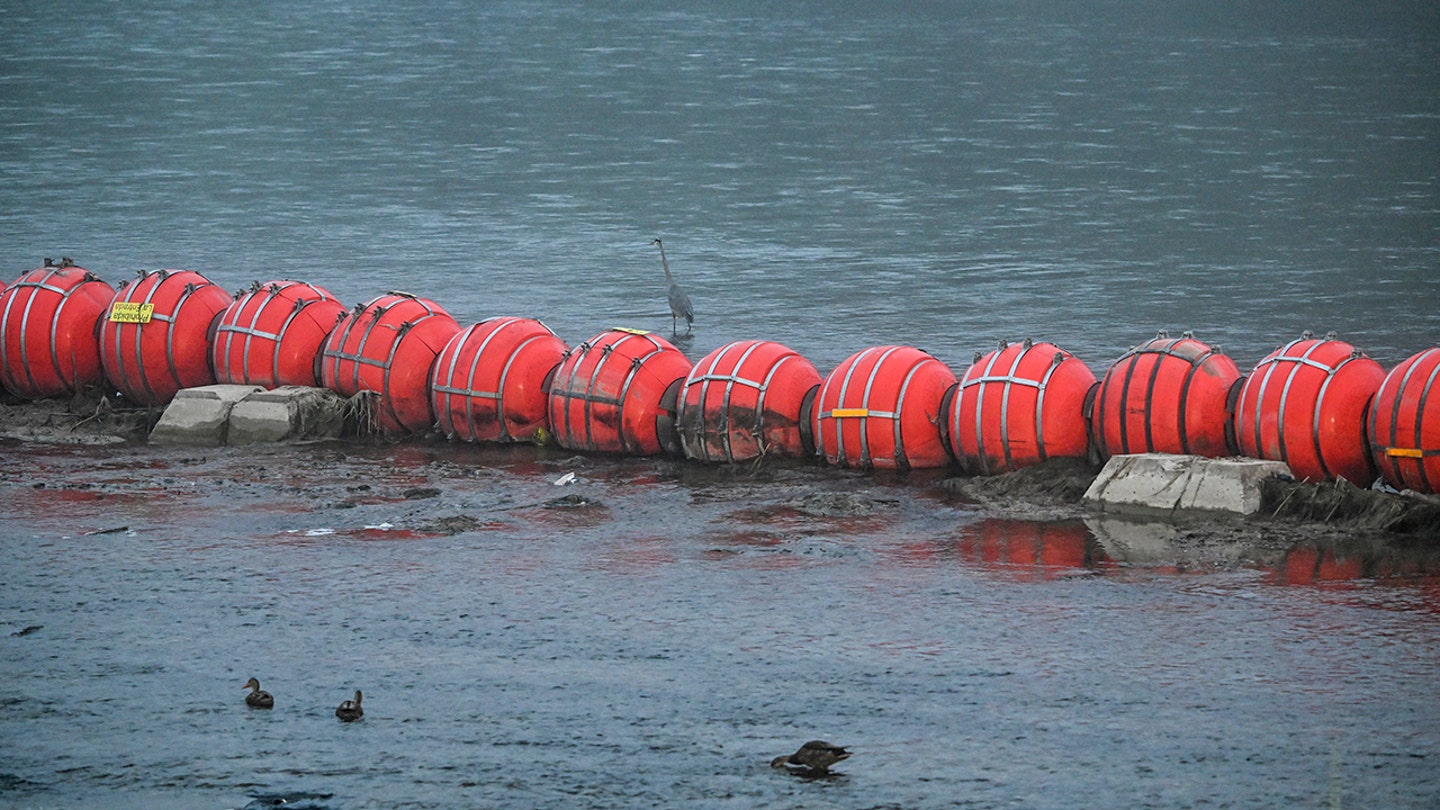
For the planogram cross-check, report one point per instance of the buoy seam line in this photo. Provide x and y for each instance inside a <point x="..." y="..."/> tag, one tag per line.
<point x="1006" y="378"/>
<point x="249" y="331"/>
<point x="358" y="358"/>
<point x="731" y="378"/>
<point x="38" y="285"/>
<point x="466" y="392"/>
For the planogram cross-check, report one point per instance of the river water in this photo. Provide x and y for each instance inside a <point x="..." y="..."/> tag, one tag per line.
<point x="831" y="176"/>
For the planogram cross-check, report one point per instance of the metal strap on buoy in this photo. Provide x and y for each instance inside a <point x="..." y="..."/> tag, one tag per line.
<point x="253" y="330"/>
<point x="163" y="317"/>
<point x="862" y="413"/>
<point x="565" y="390"/>
<point x="698" y="377"/>
<point x="1296" y="363"/>
<point x="41" y="284"/>
<point x="1391" y="447"/>
<point x="469" y="389"/>
<point x="34" y="285"/>
<point x="1009" y="378"/>
<point x="1165" y="350"/>
<point x="865" y="412"/>
<point x="375" y="309"/>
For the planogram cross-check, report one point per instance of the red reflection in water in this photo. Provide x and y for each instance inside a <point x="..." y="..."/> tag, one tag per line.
<point x="1317" y="564"/>
<point x="1045" y="549"/>
<point x="1030" y="549"/>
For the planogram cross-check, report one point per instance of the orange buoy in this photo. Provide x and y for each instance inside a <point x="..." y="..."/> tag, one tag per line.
<point x="387" y="347"/>
<point x="883" y="408"/>
<point x="612" y="394"/>
<point x="489" y="383"/>
<point x="1404" y="424"/>
<point x="50" y="330"/>
<point x="745" y="400"/>
<point x="272" y="335"/>
<point x="1304" y="404"/>
<point x="156" y="337"/>
<point x="1018" y="406"/>
<point x="1168" y="395"/>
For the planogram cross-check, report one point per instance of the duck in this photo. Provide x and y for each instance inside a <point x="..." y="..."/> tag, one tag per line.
<point x="350" y="710"/>
<point x="813" y="759"/>
<point x="258" y="698"/>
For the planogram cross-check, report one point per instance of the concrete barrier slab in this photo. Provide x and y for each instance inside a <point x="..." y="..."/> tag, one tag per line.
<point x="198" y="416"/>
<point x="287" y="413"/>
<point x="1161" y="483"/>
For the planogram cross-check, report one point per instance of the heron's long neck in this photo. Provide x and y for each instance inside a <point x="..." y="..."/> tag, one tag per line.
<point x="665" y="264"/>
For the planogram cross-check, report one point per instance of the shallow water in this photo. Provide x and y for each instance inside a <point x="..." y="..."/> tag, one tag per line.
<point x="657" y="631"/>
<point x="831" y="177"/>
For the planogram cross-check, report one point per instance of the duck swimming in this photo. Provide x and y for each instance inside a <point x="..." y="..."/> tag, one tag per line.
<point x="813" y="759"/>
<point x="258" y="698"/>
<point x="350" y="710"/>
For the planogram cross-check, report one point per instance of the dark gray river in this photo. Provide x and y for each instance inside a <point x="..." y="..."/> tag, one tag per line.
<point x="831" y="176"/>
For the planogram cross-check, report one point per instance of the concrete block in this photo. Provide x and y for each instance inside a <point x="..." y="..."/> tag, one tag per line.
<point x="199" y="416"/>
<point x="1161" y="483"/>
<point x="288" y="412"/>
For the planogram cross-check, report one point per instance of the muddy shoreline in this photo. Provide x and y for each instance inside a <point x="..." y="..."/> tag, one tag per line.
<point x="1332" y="514"/>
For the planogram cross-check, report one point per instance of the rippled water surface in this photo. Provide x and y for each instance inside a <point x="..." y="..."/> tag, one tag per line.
<point x="654" y="633"/>
<point x="831" y="176"/>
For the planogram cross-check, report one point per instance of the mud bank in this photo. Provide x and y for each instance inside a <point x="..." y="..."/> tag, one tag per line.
<point x="1291" y="512"/>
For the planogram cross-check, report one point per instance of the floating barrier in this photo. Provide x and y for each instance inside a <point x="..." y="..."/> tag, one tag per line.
<point x="1320" y="406"/>
<point x="490" y="382"/>
<point x="50" y="330"/>
<point x="1304" y="404"/>
<point x="1404" y="425"/>
<point x="156" y="339"/>
<point x="387" y="347"/>
<point x="882" y="408"/>
<point x="615" y="393"/>
<point x="1019" y="406"/>
<point x="1168" y="395"/>
<point x="746" y="400"/>
<point x="272" y="335"/>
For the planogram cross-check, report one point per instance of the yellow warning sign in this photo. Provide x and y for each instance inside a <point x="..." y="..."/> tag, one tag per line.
<point x="628" y="330"/>
<point x="131" y="312"/>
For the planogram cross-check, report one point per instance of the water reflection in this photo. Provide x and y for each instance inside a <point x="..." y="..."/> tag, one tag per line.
<point x="1022" y="549"/>
<point x="1319" y="563"/>
<point x="1112" y="546"/>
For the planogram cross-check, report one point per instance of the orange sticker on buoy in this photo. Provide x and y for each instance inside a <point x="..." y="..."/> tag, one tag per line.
<point x="131" y="312"/>
<point x="841" y="413"/>
<point x="1404" y="452"/>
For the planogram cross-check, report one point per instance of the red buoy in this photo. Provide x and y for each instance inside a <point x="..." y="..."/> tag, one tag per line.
<point x="272" y="335"/>
<point x="745" y="400"/>
<point x="1304" y="404"/>
<point x="1404" y="424"/>
<point x="1168" y="395"/>
<point x="882" y="408"/>
<point x="387" y="347"/>
<point x="156" y="337"/>
<point x="489" y="383"/>
<point x="50" y="331"/>
<point x="1018" y="406"/>
<point x="610" y="394"/>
